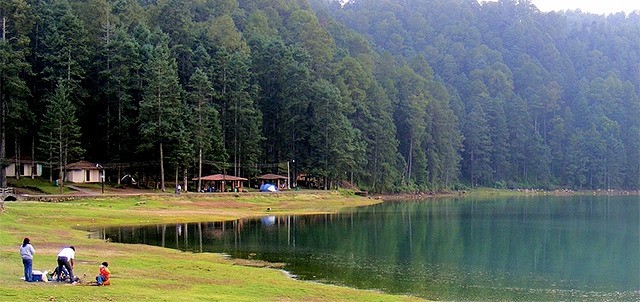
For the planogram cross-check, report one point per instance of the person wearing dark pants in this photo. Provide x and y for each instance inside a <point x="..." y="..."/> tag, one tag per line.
<point x="27" y="251"/>
<point x="66" y="260"/>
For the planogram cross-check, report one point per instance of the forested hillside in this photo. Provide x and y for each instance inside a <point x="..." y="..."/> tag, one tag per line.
<point x="389" y="95"/>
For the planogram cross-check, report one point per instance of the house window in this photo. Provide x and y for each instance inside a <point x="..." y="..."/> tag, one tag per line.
<point x="87" y="174"/>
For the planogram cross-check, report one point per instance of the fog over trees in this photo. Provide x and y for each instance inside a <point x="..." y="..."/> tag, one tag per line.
<point x="390" y="95"/>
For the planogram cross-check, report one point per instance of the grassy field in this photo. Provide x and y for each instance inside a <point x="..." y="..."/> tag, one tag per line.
<point x="148" y="273"/>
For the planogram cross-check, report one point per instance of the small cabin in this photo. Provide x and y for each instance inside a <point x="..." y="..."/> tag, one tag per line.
<point x="24" y="167"/>
<point x="83" y="172"/>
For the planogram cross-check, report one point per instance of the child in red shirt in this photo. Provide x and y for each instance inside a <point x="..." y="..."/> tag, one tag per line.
<point x="103" y="278"/>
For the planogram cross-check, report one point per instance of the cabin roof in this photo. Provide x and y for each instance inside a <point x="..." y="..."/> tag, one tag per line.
<point x="271" y="177"/>
<point x="219" y="177"/>
<point x="82" y="165"/>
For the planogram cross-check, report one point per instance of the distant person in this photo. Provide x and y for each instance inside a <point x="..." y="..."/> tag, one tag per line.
<point x="66" y="260"/>
<point x="27" y="251"/>
<point x="103" y="277"/>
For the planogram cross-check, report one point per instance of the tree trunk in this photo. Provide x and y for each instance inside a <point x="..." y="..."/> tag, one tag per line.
<point x="200" y="170"/>
<point x="185" y="176"/>
<point x="60" y="162"/>
<point x="34" y="168"/>
<point x="176" y="186"/>
<point x="17" y="155"/>
<point x="3" y="176"/>
<point x="4" y="28"/>
<point x="236" y="155"/>
<point x="410" y="161"/>
<point x="51" y="162"/>
<point x="473" y="166"/>
<point x="162" y="187"/>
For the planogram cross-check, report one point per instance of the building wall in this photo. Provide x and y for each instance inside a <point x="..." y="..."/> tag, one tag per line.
<point x="83" y="176"/>
<point x="76" y="176"/>
<point x="10" y="171"/>
<point x="26" y="170"/>
<point x="94" y="176"/>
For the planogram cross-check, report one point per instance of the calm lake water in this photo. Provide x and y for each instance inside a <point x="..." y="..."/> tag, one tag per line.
<point x="518" y="249"/>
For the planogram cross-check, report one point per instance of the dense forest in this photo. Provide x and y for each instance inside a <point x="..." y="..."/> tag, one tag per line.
<point x="409" y="95"/>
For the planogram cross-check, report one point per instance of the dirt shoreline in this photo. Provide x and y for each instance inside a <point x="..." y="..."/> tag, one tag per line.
<point x="489" y="192"/>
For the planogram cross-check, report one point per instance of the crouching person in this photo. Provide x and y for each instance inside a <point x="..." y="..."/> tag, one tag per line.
<point x="66" y="261"/>
<point x="103" y="277"/>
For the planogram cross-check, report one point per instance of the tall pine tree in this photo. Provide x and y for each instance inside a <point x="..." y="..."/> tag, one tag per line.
<point x="60" y="133"/>
<point x="161" y="109"/>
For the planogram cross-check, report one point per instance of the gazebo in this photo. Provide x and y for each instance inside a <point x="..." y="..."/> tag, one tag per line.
<point x="273" y="178"/>
<point x="218" y="182"/>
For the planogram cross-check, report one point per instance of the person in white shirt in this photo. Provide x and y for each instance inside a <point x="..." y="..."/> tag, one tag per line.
<point x="27" y="251"/>
<point x="66" y="260"/>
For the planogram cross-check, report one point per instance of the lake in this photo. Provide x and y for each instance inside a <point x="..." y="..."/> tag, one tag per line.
<point x="519" y="249"/>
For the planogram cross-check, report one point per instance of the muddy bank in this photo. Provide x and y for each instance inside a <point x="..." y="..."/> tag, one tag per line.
<point x="497" y="192"/>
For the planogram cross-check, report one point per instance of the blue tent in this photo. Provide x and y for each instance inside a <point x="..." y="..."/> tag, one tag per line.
<point x="268" y="188"/>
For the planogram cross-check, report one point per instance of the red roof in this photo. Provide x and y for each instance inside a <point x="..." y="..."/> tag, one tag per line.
<point x="271" y="176"/>
<point x="82" y="165"/>
<point x="219" y="177"/>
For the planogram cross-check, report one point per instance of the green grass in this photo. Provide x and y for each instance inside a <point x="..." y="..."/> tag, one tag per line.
<point x="36" y="184"/>
<point x="148" y="273"/>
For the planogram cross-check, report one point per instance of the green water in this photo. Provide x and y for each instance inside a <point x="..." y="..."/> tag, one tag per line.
<point x="526" y="249"/>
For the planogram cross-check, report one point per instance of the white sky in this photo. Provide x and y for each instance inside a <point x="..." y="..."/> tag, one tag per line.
<point x="588" y="6"/>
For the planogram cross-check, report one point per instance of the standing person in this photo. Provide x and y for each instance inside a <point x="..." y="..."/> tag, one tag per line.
<point x="103" y="277"/>
<point x="27" y="251"/>
<point x="66" y="260"/>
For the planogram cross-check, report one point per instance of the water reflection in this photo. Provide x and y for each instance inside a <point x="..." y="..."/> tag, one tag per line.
<point x="582" y="248"/>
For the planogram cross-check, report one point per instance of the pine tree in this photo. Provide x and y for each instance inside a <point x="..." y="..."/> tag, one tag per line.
<point x="329" y="135"/>
<point x="477" y="152"/>
<point x="118" y="64"/>
<point x="409" y="115"/>
<point x="15" y="116"/>
<point x="444" y="140"/>
<point x="60" y="133"/>
<point x="205" y="129"/>
<point x="62" y="51"/>
<point x="161" y="107"/>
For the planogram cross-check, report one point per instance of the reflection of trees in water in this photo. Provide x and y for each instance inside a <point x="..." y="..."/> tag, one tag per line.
<point x="191" y="236"/>
<point x="213" y="230"/>
<point x="520" y="243"/>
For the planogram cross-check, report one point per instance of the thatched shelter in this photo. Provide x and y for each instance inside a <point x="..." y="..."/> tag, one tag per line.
<point x="274" y="179"/>
<point x="220" y="183"/>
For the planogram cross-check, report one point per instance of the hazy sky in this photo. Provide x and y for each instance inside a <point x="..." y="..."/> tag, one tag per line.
<point x="591" y="6"/>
